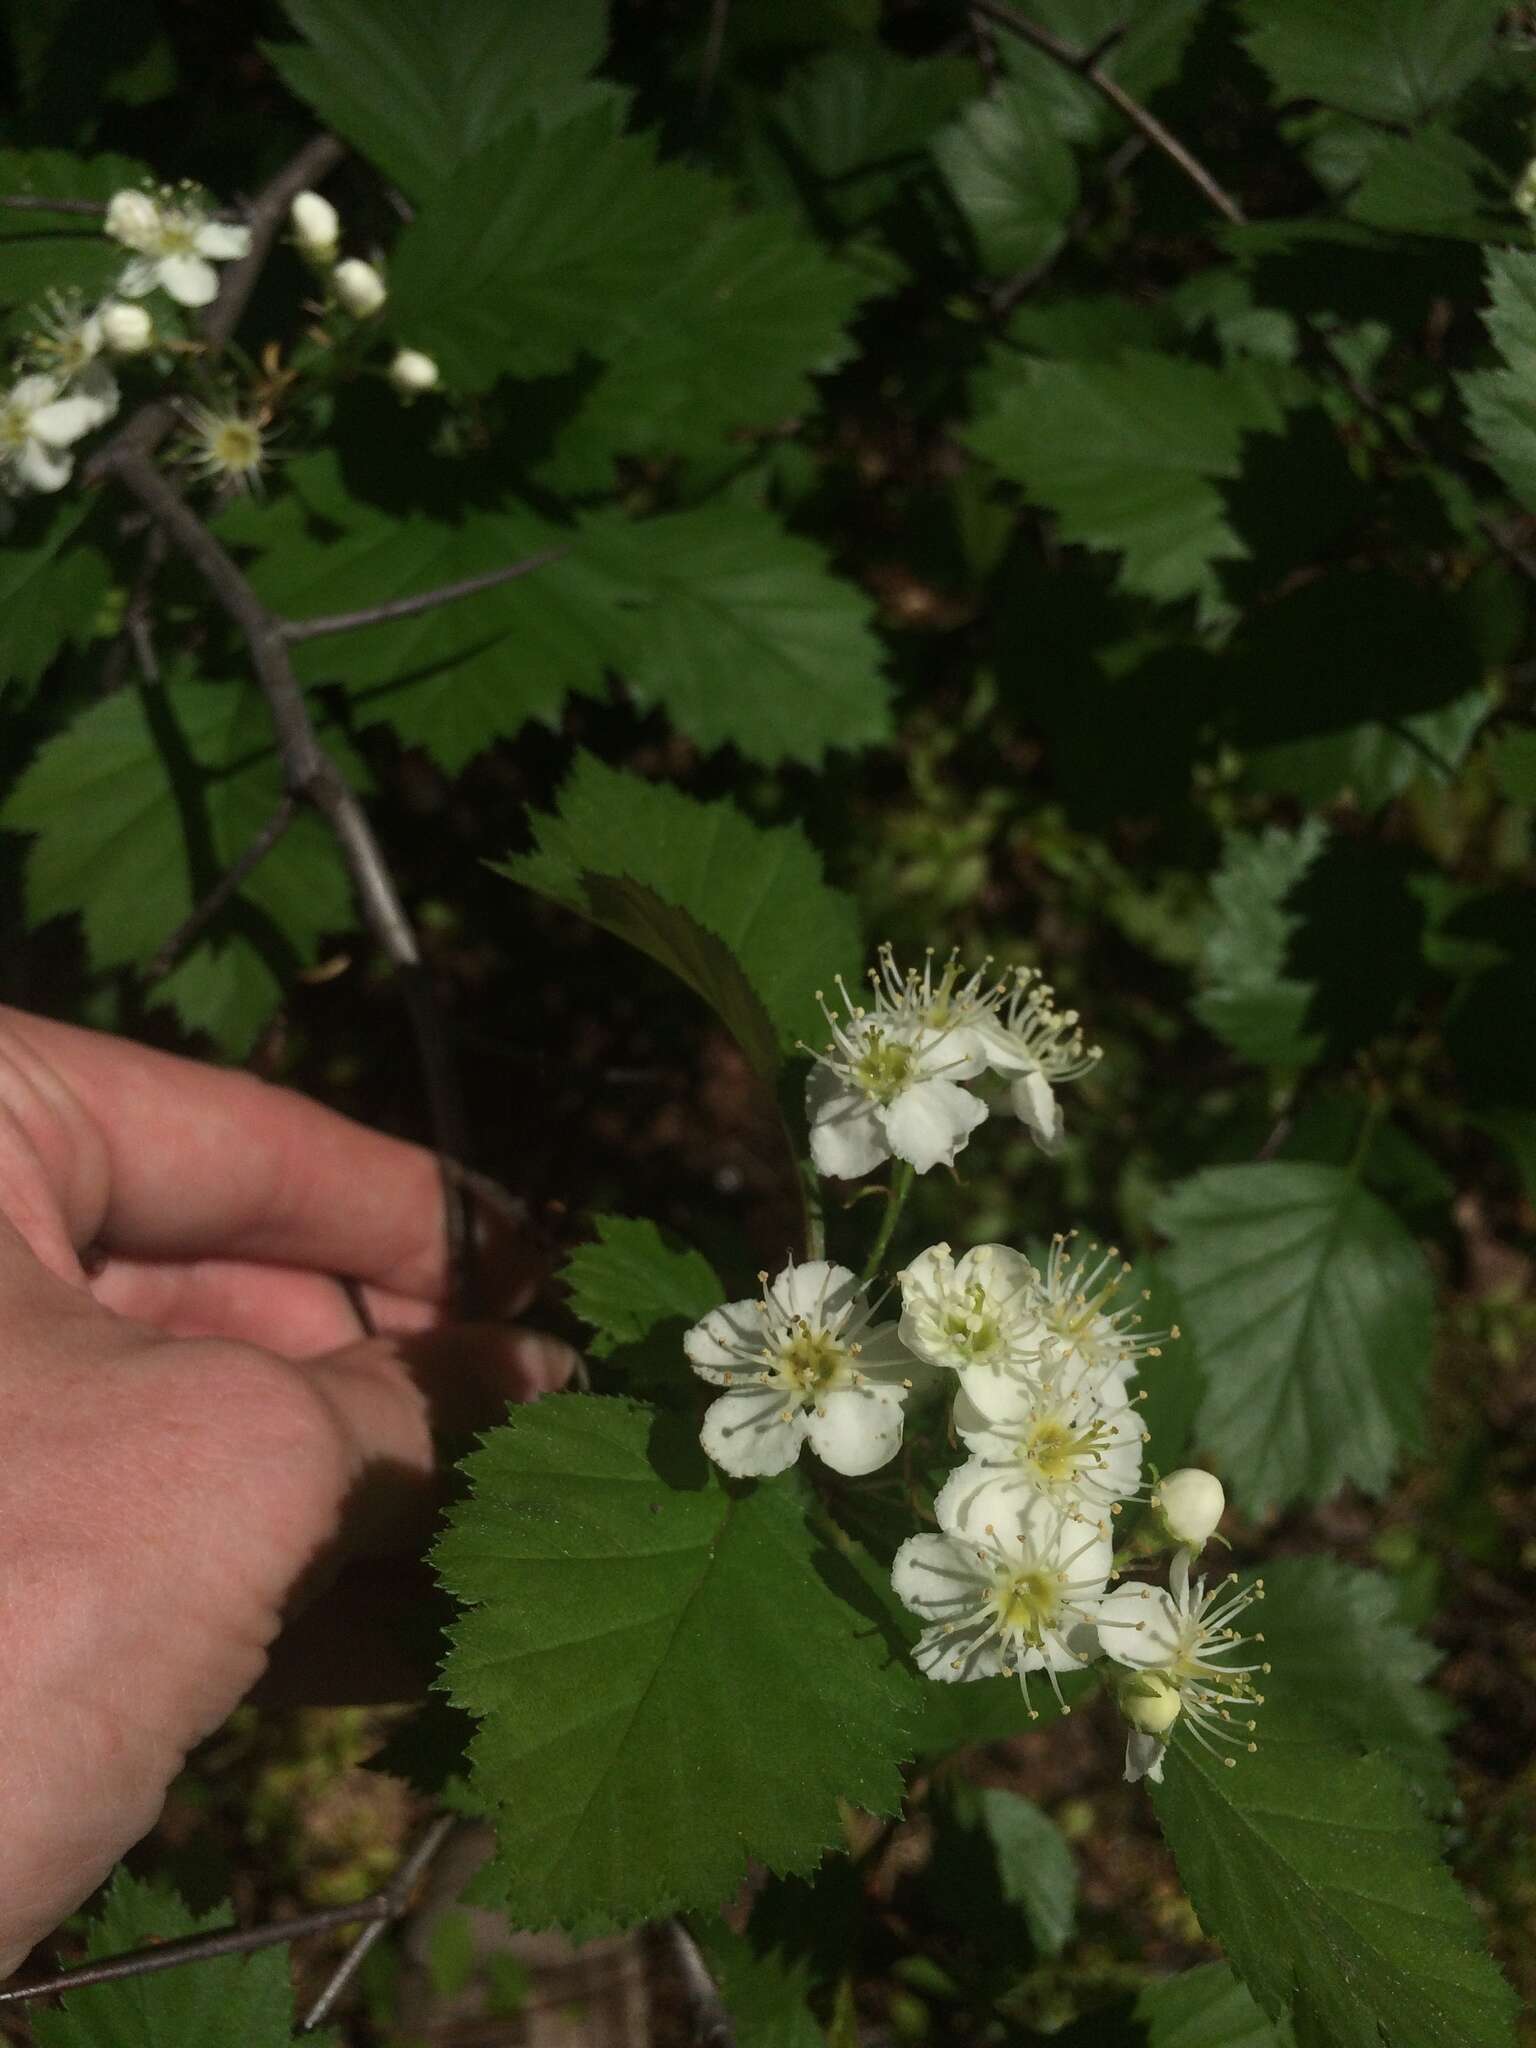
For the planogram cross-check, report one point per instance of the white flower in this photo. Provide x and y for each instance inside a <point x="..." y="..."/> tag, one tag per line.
<point x="1082" y="1326"/>
<point x="177" y="246"/>
<point x="226" y="446"/>
<point x="1186" y="1634"/>
<point x="981" y="1311"/>
<point x="1189" y="1503"/>
<point x="38" y="424"/>
<point x="67" y="350"/>
<point x="1038" y="1045"/>
<point x="358" y="287"/>
<point x="1523" y="197"/>
<point x="126" y="330"/>
<point x="1069" y="1437"/>
<point x="316" y="226"/>
<point x="801" y="1364"/>
<point x="1010" y="1597"/>
<point x="887" y="1085"/>
<point x="412" y="372"/>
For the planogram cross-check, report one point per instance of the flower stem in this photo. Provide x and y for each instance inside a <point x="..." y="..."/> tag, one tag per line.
<point x="895" y="1202"/>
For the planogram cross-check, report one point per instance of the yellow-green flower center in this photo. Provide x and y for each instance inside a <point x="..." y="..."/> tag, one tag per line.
<point x="1056" y="1450"/>
<point x="969" y="1324"/>
<point x="811" y="1362"/>
<point x="1028" y="1602"/>
<point x="884" y="1068"/>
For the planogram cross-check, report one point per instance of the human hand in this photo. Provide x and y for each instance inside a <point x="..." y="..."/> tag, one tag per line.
<point x="196" y="1436"/>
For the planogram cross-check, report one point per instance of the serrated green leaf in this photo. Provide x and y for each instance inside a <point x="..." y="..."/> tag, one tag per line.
<point x="1141" y="49"/>
<point x="1127" y="455"/>
<point x="1501" y="403"/>
<point x="1206" y="2008"/>
<point x="1012" y="177"/>
<point x="1430" y="183"/>
<point x="52" y="584"/>
<point x="1333" y="1634"/>
<point x="666" y="1683"/>
<point x="1036" y="1869"/>
<point x="546" y="246"/>
<point x="1391" y="60"/>
<point x="1316" y="1869"/>
<point x="138" y="807"/>
<point x="758" y="890"/>
<point x="44" y="252"/>
<point x="740" y="631"/>
<point x="1248" y="999"/>
<point x="764" y="1993"/>
<point x="419" y="85"/>
<point x="632" y="1278"/>
<point x="1311" y="1310"/>
<point x="208" y="2004"/>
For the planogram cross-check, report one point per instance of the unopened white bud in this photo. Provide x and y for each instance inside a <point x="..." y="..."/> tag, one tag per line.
<point x="316" y="226"/>
<point x="132" y="218"/>
<point x="413" y="372"/>
<point x="1151" y="1702"/>
<point x="1524" y="194"/>
<point x="1189" y="1504"/>
<point x="358" y="287"/>
<point x="127" y="330"/>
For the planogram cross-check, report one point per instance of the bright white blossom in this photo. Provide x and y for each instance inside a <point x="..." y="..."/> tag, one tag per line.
<point x="1039" y="1047"/>
<point x="1077" y="1306"/>
<point x="126" y="330"/>
<point x="316" y="226"/>
<point x="67" y="348"/>
<point x="1068" y="1435"/>
<point x="412" y="372"/>
<point x="358" y="287"/>
<point x="976" y="1313"/>
<point x="225" y="446"/>
<point x="1187" y="1635"/>
<point x="176" y="245"/>
<point x="1189" y="1503"/>
<point x="39" y="424"/>
<point x="1007" y="1597"/>
<point x="801" y="1364"/>
<point x="888" y="1086"/>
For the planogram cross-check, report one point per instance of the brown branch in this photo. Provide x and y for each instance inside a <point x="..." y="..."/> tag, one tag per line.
<point x="1087" y="66"/>
<point x="395" y="1898"/>
<point x="233" y="879"/>
<point x="295" y="630"/>
<point x="33" y="202"/>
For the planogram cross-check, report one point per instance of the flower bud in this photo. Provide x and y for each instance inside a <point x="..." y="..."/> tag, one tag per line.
<point x="358" y="287"/>
<point x="127" y="330"/>
<point x="132" y="218"/>
<point x="1189" y="1503"/>
<point x="1150" y="1701"/>
<point x="316" y="226"/>
<point x="412" y="372"/>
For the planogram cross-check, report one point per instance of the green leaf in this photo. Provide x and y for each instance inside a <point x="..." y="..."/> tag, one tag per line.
<point x="1501" y="403"/>
<point x="1431" y="183"/>
<point x="207" y="2004"/>
<point x="1205" y="2008"/>
<point x="757" y="890"/>
<point x="546" y="246"/>
<point x="1127" y="454"/>
<point x="1146" y="46"/>
<point x="1316" y="1869"/>
<point x="51" y="586"/>
<point x="1311" y="1311"/>
<point x="765" y="1994"/>
<point x="1012" y="177"/>
<point x="667" y="1685"/>
<point x="419" y="85"/>
<point x="631" y="1279"/>
<point x="53" y="252"/>
<point x="1391" y="60"/>
<point x="1248" y="999"/>
<point x="740" y="631"/>
<point x="138" y="807"/>
<point x="1333" y="1634"/>
<point x="1036" y="1869"/>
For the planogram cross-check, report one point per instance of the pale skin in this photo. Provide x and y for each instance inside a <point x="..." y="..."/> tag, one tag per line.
<point x="200" y="1447"/>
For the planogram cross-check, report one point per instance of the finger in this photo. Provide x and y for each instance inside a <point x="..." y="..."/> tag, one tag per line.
<point x="296" y="1314"/>
<point x="207" y="1162"/>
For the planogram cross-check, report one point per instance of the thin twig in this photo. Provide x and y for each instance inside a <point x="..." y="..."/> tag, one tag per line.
<point x="295" y="630"/>
<point x="1087" y="67"/>
<point x="37" y="202"/>
<point x="712" y="2024"/>
<point x="234" y="878"/>
<point x="394" y="1900"/>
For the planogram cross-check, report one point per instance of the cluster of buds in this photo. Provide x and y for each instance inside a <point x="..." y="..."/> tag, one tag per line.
<point x="358" y="288"/>
<point x="1021" y="1577"/>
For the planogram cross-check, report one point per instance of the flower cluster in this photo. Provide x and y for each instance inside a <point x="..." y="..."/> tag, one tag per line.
<point x="1020" y="1575"/>
<point x="357" y="287"/>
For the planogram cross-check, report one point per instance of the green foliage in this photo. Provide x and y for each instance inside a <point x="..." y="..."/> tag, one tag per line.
<point x="56" y="252"/>
<point x="1500" y="402"/>
<point x="1390" y="60"/>
<point x="1036" y="1870"/>
<point x="201" y="2005"/>
<point x="1012" y="177"/>
<point x="666" y="1684"/>
<point x="1248" y="998"/>
<point x="765" y="1994"/>
<point x="631" y="1279"/>
<point x="739" y="912"/>
<point x="1310" y="1307"/>
<point x="1205" y="2008"/>
<point x="51" y="588"/>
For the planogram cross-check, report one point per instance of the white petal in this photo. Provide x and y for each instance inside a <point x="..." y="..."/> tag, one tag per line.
<point x="1139" y="1626"/>
<point x="221" y="240"/>
<point x="928" y="1124"/>
<point x="42" y="468"/>
<point x="956" y="1497"/>
<point x="189" y="280"/>
<point x="856" y="1429"/>
<point x="815" y="1290"/>
<point x="990" y="1400"/>
<point x="938" y="1654"/>
<point x="1003" y="1049"/>
<point x="729" y="1339"/>
<point x="1035" y="1105"/>
<point x="1144" y="1758"/>
<point x="1178" y="1578"/>
<point x="932" y="1574"/>
<point x="746" y="1434"/>
<point x="955" y="1052"/>
<point x="27" y="394"/>
<point x="139" y="278"/>
<point x="847" y="1136"/>
<point x="65" y="420"/>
